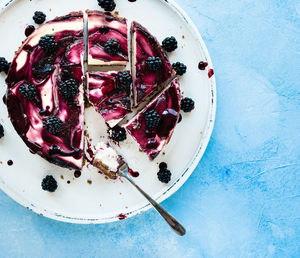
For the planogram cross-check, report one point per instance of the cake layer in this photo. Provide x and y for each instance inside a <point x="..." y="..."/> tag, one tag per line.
<point x="103" y="27"/>
<point x="49" y="121"/>
<point x="167" y="106"/>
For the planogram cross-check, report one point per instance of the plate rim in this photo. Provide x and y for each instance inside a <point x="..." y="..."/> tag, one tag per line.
<point x="184" y="176"/>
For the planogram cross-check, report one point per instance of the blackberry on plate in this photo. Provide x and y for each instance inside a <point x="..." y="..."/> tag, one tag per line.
<point x="107" y="5"/>
<point x="123" y="81"/>
<point x="112" y="46"/>
<point x="153" y="63"/>
<point x="52" y="125"/>
<point x="152" y="119"/>
<point x="28" y="91"/>
<point x="49" y="184"/>
<point x="179" y="68"/>
<point x="118" y="134"/>
<point x="187" y="104"/>
<point x="4" y="65"/>
<point x="1" y="131"/>
<point x="39" y="17"/>
<point x="68" y="89"/>
<point x="48" y="43"/>
<point x="169" y="44"/>
<point x="164" y="175"/>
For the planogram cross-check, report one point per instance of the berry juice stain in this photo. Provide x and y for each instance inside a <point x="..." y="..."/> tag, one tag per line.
<point x="121" y="216"/>
<point x="29" y="30"/>
<point x="10" y="162"/>
<point x="202" y="65"/>
<point x="133" y="173"/>
<point x="131" y="1"/>
<point x="163" y="165"/>
<point x="210" y="73"/>
<point x="77" y="173"/>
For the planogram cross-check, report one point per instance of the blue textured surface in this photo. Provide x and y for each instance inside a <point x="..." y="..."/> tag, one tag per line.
<point x="243" y="200"/>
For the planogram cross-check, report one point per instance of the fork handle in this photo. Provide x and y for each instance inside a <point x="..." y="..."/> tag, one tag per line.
<point x="172" y="222"/>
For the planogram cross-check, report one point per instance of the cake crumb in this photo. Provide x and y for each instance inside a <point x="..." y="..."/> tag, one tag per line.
<point x="89" y="182"/>
<point x="116" y="13"/>
<point x="183" y="36"/>
<point x="62" y="177"/>
<point x="0" y="162"/>
<point x="120" y="193"/>
<point x="164" y="153"/>
<point x="50" y="10"/>
<point x="140" y="150"/>
<point x="201" y="132"/>
<point x="106" y="177"/>
<point x="126" y="207"/>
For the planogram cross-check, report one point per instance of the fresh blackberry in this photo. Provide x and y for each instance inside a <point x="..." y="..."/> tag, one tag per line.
<point x="4" y="65"/>
<point x="48" y="43"/>
<point x="52" y="125"/>
<point x="118" y="134"/>
<point x="169" y="44"/>
<point x="68" y="89"/>
<point x="153" y="63"/>
<point x="49" y="184"/>
<point x="187" y="104"/>
<point x="1" y="131"/>
<point x="107" y="5"/>
<point x="28" y="91"/>
<point x="152" y="119"/>
<point x="179" y="68"/>
<point x="123" y="81"/>
<point x="164" y="175"/>
<point x="112" y="46"/>
<point x="39" y="17"/>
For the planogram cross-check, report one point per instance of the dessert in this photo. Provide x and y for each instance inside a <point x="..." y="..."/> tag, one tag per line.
<point x="150" y="64"/>
<point x="107" y="39"/>
<point x="107" y="159"/>
<point x="153" y="127"/>
<point x="109" y="93"/>
<point x="45" y="93"/>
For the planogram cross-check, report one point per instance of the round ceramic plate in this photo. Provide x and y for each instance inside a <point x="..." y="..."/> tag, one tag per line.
<point x="92" y="198"/>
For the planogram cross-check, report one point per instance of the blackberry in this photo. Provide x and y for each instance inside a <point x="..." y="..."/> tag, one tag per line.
<point x="153" y="63"/>
<point x="169" y="44"/>
<point x="179" y="68"/>
<point x="68" y="89"/>
<point x="4" y="65"/>
<point x="107" y="5"/>
<point x="39" y="17"/>
<point x="164" y="175"/>
<point x="1" y="131"/>
<point x="52" y="125"/>
<point x="48" y="43"/>
<point x="187" y="104"/>
<point x="123" y="81"/>
<point x="28" y="91"/>
<point x="49" y="184"/>
<point x="112" y="46"/>
<point x="152" y="119"/>
<point x="118" y="134"/>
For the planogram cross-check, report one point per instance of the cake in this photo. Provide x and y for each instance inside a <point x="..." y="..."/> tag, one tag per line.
<point x="109" y="96"/>
<point x="107" y="39"/>
<point x="45" y="93"/>
<point x="107" y="160"/>
<point x="166" y="107"/>
<point x="147" y="78"/>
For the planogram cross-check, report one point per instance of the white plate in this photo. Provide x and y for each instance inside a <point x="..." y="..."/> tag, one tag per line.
<point x="104" y="200"/>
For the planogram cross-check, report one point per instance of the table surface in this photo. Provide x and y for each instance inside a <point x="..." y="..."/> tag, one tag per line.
<point x="243" y="200"/>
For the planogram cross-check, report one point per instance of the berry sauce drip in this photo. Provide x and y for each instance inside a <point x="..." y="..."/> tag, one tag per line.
<point x="10" y="162"/>
<point x="77" y="173"/>
<point x="163" y="165"/>
<point x="133" y="173"/>
<point x="202" y="65"/>
<point x="131" y="1"/>
<point x="179" y="119"/>
<point x="121" y="216"/>
<point x="29" y="30"/>
<point x="210" y="73"/>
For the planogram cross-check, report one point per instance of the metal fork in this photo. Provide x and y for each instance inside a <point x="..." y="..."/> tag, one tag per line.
<point x="172" y="222"/>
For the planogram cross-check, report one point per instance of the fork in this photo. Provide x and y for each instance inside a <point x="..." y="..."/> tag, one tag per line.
<point x="171" y="221"/>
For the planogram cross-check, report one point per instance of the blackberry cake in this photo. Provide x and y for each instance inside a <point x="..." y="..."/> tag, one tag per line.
<point x="45" y="93"/>
<point x="153" y="127"/>
<point x="109" y="93"/>
<point x="107" y="39"/>
<point x="150" y="64"/>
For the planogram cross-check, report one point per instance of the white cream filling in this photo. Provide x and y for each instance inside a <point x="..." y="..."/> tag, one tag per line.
<point x="107" y="156"/>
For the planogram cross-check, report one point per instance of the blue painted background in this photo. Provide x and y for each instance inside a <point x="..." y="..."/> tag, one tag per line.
<point x="243" y="200"/>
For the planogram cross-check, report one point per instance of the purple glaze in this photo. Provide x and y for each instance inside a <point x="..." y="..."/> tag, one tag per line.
<point x="147" y="46"/>
<point x="167" y="105"/>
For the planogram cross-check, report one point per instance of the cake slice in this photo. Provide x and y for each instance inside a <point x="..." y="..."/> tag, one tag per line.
<point x="150" y="63"/>
<point x="107" y="39"/>
<point x="109" y="93"/>
<point x="107" y="160"/>
<point x="153" y="127"/>
<point x="45" y="91"/>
